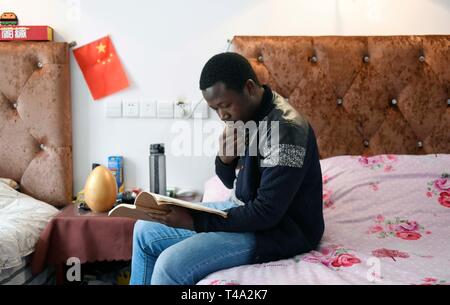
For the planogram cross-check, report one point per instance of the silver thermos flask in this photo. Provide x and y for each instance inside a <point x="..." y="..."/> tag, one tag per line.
<point x="157" y="166"/>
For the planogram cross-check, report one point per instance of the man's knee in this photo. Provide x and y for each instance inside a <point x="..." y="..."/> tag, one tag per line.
<point x="170" y="269"/>
<point x="144" y="232"/>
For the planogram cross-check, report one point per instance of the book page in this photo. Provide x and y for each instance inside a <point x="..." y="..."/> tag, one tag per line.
<point x="149" y="203"/>
<point x="168" y="199"/>
<point x="195" y="206"/>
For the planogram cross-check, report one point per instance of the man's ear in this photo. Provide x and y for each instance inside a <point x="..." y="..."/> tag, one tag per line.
<point x="250" y="86"/>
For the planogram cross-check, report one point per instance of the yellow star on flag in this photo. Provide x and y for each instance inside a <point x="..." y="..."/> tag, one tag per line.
<point x="101" y="48"/>
<point x="108" y="77"/>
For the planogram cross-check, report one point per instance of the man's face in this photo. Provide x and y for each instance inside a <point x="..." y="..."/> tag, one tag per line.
<point x="229" y="104"/>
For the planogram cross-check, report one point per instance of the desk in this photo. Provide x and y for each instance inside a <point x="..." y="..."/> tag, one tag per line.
<point x="88" y="236"/>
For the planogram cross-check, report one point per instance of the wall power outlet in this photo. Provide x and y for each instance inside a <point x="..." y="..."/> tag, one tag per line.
<point x="130" y="109"/>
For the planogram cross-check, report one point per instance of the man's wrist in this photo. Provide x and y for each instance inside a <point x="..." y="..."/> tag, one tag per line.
<point x="226" y="160"/>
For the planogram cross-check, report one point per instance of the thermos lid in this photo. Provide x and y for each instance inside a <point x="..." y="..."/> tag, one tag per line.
<point x="157" y="149"/>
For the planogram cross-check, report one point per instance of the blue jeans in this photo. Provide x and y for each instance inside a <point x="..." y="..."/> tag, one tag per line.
<point x="164" y="255"/>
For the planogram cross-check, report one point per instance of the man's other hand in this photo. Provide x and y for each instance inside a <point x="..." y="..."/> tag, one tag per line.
<point x="231" y="145"/>
<point x="178" y="217"/>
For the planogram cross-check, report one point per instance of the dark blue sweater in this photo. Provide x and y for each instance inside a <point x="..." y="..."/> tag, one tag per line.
<point x="282" y="195"/>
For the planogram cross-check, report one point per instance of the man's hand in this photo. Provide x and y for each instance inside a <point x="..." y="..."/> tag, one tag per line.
<point x="178" y="217"/>
<point x="231" y="145"/>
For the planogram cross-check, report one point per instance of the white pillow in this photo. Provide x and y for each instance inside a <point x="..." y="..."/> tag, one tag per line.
<point x="22" y="219"/>
<point x="10" y="183"/>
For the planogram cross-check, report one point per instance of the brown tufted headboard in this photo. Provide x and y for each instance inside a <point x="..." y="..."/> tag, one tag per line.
<point x="35" y="119"/>
<point x="362" y="95"/>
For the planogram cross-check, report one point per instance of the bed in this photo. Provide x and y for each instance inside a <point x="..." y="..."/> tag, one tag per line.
<point x="380" y="107"/>
<point x="35" y="150"/>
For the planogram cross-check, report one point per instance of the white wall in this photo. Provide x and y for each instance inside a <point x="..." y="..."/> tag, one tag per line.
<point x="164" y="44"/>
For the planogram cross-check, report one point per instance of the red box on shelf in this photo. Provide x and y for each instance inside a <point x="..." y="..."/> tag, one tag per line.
<point x="25" y="32"/>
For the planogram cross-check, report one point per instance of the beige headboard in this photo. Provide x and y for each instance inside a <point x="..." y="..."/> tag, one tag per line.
<point x="362" y="95"/>
<point x="35" y="119"/>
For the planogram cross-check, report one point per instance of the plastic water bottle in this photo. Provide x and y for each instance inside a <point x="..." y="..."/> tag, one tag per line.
<point x="157" y="160"/>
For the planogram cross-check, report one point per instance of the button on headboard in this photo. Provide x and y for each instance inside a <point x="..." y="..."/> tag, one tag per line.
<point x="362" y="95"/>
<point x="35" y="119"/>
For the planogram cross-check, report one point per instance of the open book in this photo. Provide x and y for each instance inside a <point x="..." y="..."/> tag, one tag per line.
<point x="147" y="203"/>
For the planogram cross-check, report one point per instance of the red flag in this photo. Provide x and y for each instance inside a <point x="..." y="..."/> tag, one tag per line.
<point x="101" y="68"/>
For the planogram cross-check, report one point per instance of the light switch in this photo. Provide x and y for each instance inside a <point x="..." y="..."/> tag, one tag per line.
<point x="165" y="110"/>
<point x="202" y="111"/>
<point x="148" y="109"/>
<point x="113" y="109"/>
<point x="182" y="109"/>
<point x="130" y="109"/>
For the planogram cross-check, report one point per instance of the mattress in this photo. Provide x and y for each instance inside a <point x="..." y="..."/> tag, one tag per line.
<point x="387" y="222"/>
<point x="21" y="275"/>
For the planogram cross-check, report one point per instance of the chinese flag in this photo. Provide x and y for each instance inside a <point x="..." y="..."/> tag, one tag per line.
<point x="101" y="68"/>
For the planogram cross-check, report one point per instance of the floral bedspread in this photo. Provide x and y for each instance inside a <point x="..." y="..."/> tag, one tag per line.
<point x="387" y="222"/>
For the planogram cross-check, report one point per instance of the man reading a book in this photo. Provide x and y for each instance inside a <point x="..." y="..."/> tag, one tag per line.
<point x="275" y="211"/>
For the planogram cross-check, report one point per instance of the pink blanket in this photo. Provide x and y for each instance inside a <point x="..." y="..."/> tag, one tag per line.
<point x="387" y="222"/>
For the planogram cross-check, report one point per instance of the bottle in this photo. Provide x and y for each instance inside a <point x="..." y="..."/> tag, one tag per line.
<point x="157" y="165"/>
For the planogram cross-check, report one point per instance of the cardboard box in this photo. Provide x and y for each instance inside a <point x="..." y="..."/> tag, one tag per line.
<point x="24" y="33"/>
<point x="115" y="165"/>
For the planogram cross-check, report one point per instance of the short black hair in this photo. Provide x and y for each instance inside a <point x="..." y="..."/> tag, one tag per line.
<point x="232" y="69"/>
